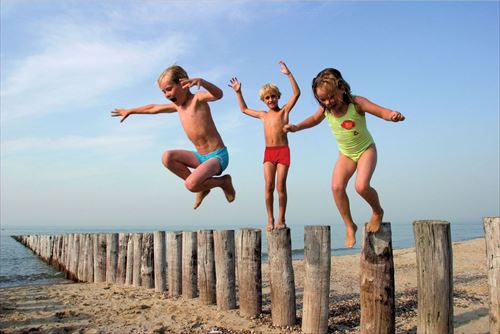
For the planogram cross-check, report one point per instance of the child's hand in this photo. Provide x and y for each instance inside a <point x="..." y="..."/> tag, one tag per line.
<point x="284" y="69"/>
<point x="120" y="112"/>
<point x="235" y="84"/>
<point x="396" y="116"/>
<point x="289" y="128"/>
<point x="188" y="83"/>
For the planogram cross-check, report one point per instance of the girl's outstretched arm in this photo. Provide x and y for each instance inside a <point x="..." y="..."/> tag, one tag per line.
<point x="376" y="110"/>
<point x="309" y="122"/>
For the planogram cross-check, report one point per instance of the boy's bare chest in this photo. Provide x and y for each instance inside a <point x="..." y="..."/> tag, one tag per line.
<point x="275" y="118"/>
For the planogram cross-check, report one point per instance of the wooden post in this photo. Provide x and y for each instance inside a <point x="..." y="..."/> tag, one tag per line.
<point x="492" y="238"/>
<point x="99" y="258"/>
<point x="121" y="269"/>
<point x="206" y="267"/>
<point x="89" y="258"/>
<point x="434" y="276"/>
<point x="174" y="263"/>
<point x="75" y="257"/>
<point x="317" y="264"/>
<point x="160" y="257"/>
<point x="147" y="261"/>
<point x="248" y="252"/>
<point x="129" y="275"/>
<point x="224" y="269"/>
<point x="111" y="257"/>
<point x="378" y="310"/>
<point x="136" y="272"/>
<point x="81" y="258"/>
<point x="189" y="265"/>
<point x="281" y="277"/>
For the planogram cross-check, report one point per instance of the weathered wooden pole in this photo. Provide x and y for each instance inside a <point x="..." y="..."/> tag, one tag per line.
<point x="378" y="310"/>
<point x="206" y="267"/>
<point x="99" y="257"/>
<point x="111" y="257"/>
<point x="492" y="238"/>
<point x="281" y="277"/>
<point x="121" y="268"/>
<point x="89" y="258"/>
<point x="75" y="257"/>
<point x="147" y="261"/>
<point x="317" y="264"/>
<point x="160" y="258"/>
<point x="69" y="255"/>
<point x="129" y="275"/>
<point x="136" y="272"/>
<point x="225" y="269"/>
<point x="189" y="265"/>
<point x="248" y="253"/>
<point x="81" y="259"/>
<point x="434" y="276"/>
<point x="174" y="263"/>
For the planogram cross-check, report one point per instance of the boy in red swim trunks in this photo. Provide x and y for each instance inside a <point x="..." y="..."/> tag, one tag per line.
<point x="277" y="153"/>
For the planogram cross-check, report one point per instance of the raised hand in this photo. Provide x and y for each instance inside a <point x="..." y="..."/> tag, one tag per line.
<point x="120" y="112"/>
<point x="396" y="116"/>
<point x="284" y="69"/>
<point x="188" y="83"/>
<point x="235" y="84"/>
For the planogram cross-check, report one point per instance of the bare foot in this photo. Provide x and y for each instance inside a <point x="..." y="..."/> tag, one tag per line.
<point x="350" y="235"/>
<point x="228" y="189"/>
<point x="281" y="225"/>
<point x="270" y="224"/>
<point x="375" y="221"/>
<point x="199" y="198"/>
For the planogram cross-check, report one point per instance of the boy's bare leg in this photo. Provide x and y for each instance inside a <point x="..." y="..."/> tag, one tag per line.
<point x="269" y="177"/>
<point x="282" y="195"/>
<point x="365" y="169"/>
<point x="343" y="171"/>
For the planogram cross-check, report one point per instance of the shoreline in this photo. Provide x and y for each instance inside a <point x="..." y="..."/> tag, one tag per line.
<point x="107" y="308"/>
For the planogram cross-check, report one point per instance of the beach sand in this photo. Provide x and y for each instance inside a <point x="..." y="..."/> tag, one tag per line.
<point x="106" y="308"/>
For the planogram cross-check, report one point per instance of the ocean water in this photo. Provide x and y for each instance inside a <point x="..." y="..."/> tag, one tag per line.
<point x="19" y="266"/>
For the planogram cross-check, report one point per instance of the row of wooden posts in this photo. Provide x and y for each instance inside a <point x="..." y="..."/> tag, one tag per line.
<point x="206" y="263"/>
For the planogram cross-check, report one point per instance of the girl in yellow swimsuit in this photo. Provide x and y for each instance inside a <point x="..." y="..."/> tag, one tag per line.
<point x="345" y="114"/>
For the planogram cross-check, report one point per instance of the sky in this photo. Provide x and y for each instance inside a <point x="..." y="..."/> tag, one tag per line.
<point x="65" y="65"/>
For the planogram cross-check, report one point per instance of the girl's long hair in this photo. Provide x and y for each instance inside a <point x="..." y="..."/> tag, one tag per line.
<point x="332" y="79"/>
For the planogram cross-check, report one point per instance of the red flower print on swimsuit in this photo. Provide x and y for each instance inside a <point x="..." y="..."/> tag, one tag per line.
<point x="348" y="125"/>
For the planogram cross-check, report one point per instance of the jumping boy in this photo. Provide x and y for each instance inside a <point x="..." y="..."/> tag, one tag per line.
<point x="277" y="152"/>
<point x="211" y="156"/>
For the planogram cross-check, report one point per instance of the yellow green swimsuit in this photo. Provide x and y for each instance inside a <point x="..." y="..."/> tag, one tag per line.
<point x="351" y="133"/>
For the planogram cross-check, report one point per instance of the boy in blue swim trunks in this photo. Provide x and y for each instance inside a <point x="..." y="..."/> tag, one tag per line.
<point x="197" y="168"/>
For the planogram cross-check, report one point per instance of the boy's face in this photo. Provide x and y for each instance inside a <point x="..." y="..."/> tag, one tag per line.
<point x="173" y="91"/>
<point x="271" y="99"/>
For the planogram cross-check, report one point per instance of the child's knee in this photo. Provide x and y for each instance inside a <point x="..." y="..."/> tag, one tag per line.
<point x="338" y="188"/>
<point x="362" y="187"/>
<point x="167" y="158"/>
<point x="191" y="184"/>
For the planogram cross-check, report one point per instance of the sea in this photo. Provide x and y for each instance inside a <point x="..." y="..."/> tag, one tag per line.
<point x="19" y="266"/>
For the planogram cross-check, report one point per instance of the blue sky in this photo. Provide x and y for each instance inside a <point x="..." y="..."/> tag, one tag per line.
<point x="66" y="64"/>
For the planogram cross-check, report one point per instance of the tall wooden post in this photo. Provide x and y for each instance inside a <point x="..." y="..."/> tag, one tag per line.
<point x="174" y="263"/>
<point x="224" y="269"/>
<point x="189" y="265"/>
<point x="281" y="277"/>
<point x="136" y="272"/>
<point x="111" y="257"/>
<point x="378" y="310"/>
<point x="206" y="267"/>
<point x="492" y="238"/>
<point x="75" y="257"/>
<point x="317" y="264"/>
<point x="147" y="274"/>
<point x="89" y="258"/>
<point x="99" y="258"/>
<point x="434" y="276"/>
<point x="160" y="257"/>
<point x="129" y="275"/>
<point x="121" y="268"/>
<point x="248" y="252"/>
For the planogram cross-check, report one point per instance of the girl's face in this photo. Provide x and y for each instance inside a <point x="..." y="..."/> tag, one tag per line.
<point x="329" y="98"/>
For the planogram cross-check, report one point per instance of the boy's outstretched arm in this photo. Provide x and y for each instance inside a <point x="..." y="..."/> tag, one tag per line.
<point x="309" y="122"/>
<point x="295" y="87"/>
<point x="236" y="86"/>
<point x="147" y="109"/>
<point x="213" y="93"/>
<point x="376" y="110"/>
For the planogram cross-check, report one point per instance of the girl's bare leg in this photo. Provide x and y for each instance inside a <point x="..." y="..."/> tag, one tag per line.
<point x="343" y="171"/>
<point x="366" y="167"/>
<point x="282" y="195"/>
<point x="269" y="177"/>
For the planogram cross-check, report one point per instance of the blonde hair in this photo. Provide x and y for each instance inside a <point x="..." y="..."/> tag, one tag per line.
<point x="173" y="74"/>
<point x="269" y="88"/>
<point x="332" y="80"/>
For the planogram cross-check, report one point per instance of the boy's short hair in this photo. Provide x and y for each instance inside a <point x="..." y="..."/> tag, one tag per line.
<point x="173" y="73"/>
<point x="269" y="88"/>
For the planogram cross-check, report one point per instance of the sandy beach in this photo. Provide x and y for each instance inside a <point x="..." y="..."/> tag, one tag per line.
<point x="106" y="308"/>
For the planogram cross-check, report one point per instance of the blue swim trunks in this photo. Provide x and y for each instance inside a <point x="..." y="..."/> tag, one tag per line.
<point x="220" y="154"/>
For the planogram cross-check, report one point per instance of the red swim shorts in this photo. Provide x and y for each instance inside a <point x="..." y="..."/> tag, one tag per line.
<point x="277" y="155"/>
